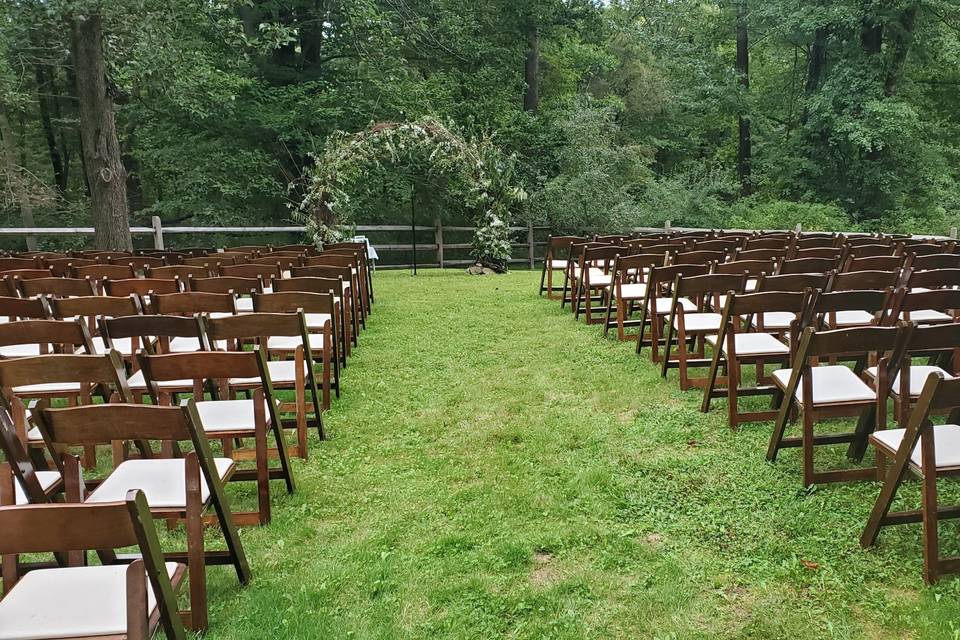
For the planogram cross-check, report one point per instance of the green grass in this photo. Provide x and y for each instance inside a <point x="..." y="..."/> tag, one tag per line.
<point x="497" y="470"/>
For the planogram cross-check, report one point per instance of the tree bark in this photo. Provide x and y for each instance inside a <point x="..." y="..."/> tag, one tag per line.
<point x="49" y="133"/>
<point x="98" y="131"/>
<point x="531" y="72"/>
<point x="15" y="179"/>
<point x="744" y="146"/>
<point x="900" y="41"/>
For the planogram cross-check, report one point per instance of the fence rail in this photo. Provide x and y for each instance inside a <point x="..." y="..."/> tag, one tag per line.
<point x="438" y="244"/>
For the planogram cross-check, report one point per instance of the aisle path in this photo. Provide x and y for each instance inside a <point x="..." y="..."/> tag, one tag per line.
<point x="497" y="470"/>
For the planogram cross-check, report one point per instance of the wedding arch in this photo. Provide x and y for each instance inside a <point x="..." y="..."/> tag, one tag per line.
<point x="475" y="173"/>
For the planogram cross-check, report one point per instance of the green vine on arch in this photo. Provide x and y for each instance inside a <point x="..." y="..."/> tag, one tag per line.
<point x="476" y="173"/>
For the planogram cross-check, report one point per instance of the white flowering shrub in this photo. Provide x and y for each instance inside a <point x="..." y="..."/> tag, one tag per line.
<point x="474" y="172"/>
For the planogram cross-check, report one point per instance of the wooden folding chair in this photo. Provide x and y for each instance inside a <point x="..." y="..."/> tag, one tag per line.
<point x="875" y="263"/>
<point x="33" y="485"/>
<point x="930" y="452"/>
<point x="63" y="267"/>
<point x="296" y="374"/>
<point x="349" y="300"/>
<point x="356" y="276"/>
<point x="693" y="326"/>
<point x="779" y="323"/>
<point x="242" y="288"/>
<point x="629" y="288"/>
<point x="735" y="345"/>
<point x="835" y="391"/>
<point x="99" y="272"/>
<point x="593" y="277"/>
<point x="228" y="418"/>
<point x="172" y="488"/>
<point x="362" y="250"/>
<point x="184" y="272"/>
<point x="143" y="287"/>
<point x="932" y="279"/>
<point x="56" y="287"/>
<point x="106" y="601"/>
<point x="571" y="273"/>
<point x="935" y="261"/>
<point x="360" y="264"/>
<point x="320" y="311"/>
<point x="343" y="335"/>
<point x="659" y="302"/>
<point x="90" y="309"/>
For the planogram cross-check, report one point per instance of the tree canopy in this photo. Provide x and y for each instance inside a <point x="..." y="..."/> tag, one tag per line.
<point x="839" y="113"/>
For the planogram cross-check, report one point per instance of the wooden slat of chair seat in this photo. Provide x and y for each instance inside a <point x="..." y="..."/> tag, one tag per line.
<point x="832" y="391"/>
<point x="658" y="303"/>
<point x="629" y="287"/>
<point x="90" y="309"/>
<point x="107" y="601"/>
<point x="349" y="295"/>
<point x="59" y="287"/>
<point x="312" y="284"/>
<point x="182" y="488"/>
<point x="734" y="345"/>
<point x="227" y="418"/>
<point x="694" y="326"/>
<point x="930" y="452"/>
<point x="296" y="374"/>
<point x="320" y="311"/>
<point x="594" y="275"/>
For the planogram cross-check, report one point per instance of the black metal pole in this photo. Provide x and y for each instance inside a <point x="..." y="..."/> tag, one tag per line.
<point x="413" y="225"/>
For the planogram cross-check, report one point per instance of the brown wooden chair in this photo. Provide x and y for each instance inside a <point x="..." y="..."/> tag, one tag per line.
<point x="362" y="250"/>
<point x="343" y="334"/>
<point x="349" y="300"/>
<point x="806" y="265"/>
<point x="875" y="263"/>
<point x="56" y="287"/>
<point x="12" y="278"/>
<point x="932" y="279"/>
<point x="822" y="392"/>
<point x="321" y="313"/>
<point x="761" y="254"/>
<point x="172" y="488"/>
<point x="735" y="345"/>
<point x="227" y="417"/>
<point x="36" y="337"/>
<point x="106" y="601"/>
<point x="10" y="264"/>
<point x="659" y="302"/>
<point x="930" y="452"/>
<point x="209" y="265"/>
<point x="249" y="270"/>
<point x="63" y="267"/>
<point x="143" y="287"/>
<point x="296" y="374"/>
<point x="98" y="272"/>
<point x="729" y="246"/>
<point x="935" y="261"/>
<point x="698" y="257"/>
<point x="570" y="275"/>
<point x="592" y="279"/>
<point x="90" y="309"/>
<point x="834" y="253"/>
<point x="869" y="250"/>
<point x="779" y="323"/>
<point x="629" y="288"/>
<point x="184" y="272"/>
<point x="691" y="327"/>
<point x="357" y="276"/>
<point x="33" y="485"/>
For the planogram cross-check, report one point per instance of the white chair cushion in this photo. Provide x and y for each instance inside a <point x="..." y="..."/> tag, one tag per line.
<point x="289" y="343"/>
<point x="834" y="384"/>
<point x="664" y="304"/>
<point x="136" y="382"/>
<point x="183" y="344"/>
<point x="281" y="372"/>
<point x="928" y="315"/>
<point x="946" y="444"/>
<point x="918" y="377"/>
<point x="229" y="415"/>
<point x="600" y="279"/>
<point x="751" y="284"/>
<point x="245" y="305"/>
<point x="46" y="479"/>
<point x="69" y="603"/>
<point x="20" y="350"/>
<point x="57" y="388"/>
<point x="753" y="344"/>
<point x="318" y="320"/>
<point x="775" y="320"/>
<point x="123" y="345"/>
<point x="632" y="291"/>
<point x="853" y="318"/>
<point x="558" y="264"/>
<point x="161" y="480"/>
<point x="699" y="321"/>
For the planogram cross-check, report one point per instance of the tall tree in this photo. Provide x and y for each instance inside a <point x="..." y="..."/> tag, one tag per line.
<point x="98" y="131"/>
<point x="744" y="150"/>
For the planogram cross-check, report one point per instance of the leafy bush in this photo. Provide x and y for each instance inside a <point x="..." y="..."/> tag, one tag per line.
<point x="752" y="213"/>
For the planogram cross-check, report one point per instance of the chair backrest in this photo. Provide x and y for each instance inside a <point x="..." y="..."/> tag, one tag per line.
<point x="825" y="305"/>
<point x="870" y="250"/>
<point x="807" y="265"/>
<point x="227" y="284"/>
<point x="100" y="271"/>
<point x="9" y="264"/>
<point x="184" y="272"/>
<point x="145" y="327"/>
<point x="879" y="340"/>
<point x="210" y="264"/>
<point x="23" y="308"/>
<point x="141" y="286"/>
<point x="702" y="286"/>
<point x="815" y="242"/>
<point x="58" y="287"/>
<point x="284" y="263"/>
<point x="249" y="270"/>
<point x="863" y="280"/>
<point x="756" y="305"/>
<point x="310" y="284"/>
<point x="193" y="302"/>
<point x="698" y="257"/>
<point x="818" y="252"/>
<point x="291" y="301"/>
<point x="875" y="263"/>
<point x="235" y="330"/>
<point x="935" y="261"/>
<point x="745" y="267"/>
<point x="330" y="259"/>
<point x="942" y="300"/>
<point x="600" y="257"/>
<point x="139" y="262"/>
<point x="793" y="282"/>
<point x="91" y="306"/>
<point x="934" y="278"/>
<point x="63" y="267"/>
<point x="727" y="245"/>
<point x="323" y="271"/>
<point x="761" y="254"/>
<point x="866" y="241"/>
<point x="106" y="373"/>
<point x="666" y="275"/>
<point x="764" y="242"/>
<point x="63" y="334"/>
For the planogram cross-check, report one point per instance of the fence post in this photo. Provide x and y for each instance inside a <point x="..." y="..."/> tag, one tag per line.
<point x="157" y="225"/>
<point x="953" y="233"/>
<point x="799" y="229"/>
<point x="666" y="226"/>
<point x="438" y="238"/>
<point x="530" y="242"/>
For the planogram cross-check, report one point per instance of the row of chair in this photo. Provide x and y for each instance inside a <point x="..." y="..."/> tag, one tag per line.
<point x="847" y="336"/>
<point x="182" y="379"/>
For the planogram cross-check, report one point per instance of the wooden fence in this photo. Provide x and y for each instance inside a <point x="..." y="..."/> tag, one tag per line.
<point x="440" y="240"/>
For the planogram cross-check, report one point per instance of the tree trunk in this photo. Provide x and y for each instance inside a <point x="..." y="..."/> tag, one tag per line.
<point x="901" y="41"/>
<point x="16" y="179"/>
<point x="531" y="73"/>
<point x="49" y="133"/>
<point x="98" y="131"/>
<point x="744" y="147"/>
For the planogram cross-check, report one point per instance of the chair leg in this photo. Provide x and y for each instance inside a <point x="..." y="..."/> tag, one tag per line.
<point x="931" y="541"/>
<point x="808" y="444"/>
<point x="783" y="417"/>
<point x="263" y="474"/>
<point x="300" y="391"/>
<point x="543" y="275"/>
<point x="733" y="387"/>
<point x="196" y="557"/>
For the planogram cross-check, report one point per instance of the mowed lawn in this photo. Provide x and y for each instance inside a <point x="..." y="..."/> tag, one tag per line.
<point x="498" y="470"/>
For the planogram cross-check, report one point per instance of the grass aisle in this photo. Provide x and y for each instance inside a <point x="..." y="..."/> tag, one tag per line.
<point x="497" y="470"/>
